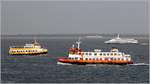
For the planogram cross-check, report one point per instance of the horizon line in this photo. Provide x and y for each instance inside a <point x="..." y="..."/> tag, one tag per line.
<point x="82" y="34"/>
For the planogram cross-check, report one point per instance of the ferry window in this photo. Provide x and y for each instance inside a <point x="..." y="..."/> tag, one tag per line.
<point x="118" y="54"/>
<point x="89" y="58"/>
<point x="104" y="54"/>
<point x="100" y="54"/>
<point x="93" y="58"/>
<point x="96" y="58"/>
<point x="95" y="54"/>
<point x="76" y="58"/>
<point x="111" y="58"/>
<point x="122" y="59"/>
<point x="86" y="58"/>
<point x="100" y="59"/>
<point x="118" y="58"/>
<point x="115" y="54"/>
<point x="90" y="54"/>
<point x="111" y="53"/>
<point x="114" y="58"/>
<point x="106" y="58"/>
<point x="86" y="53"/>
<point x="107" y="54"/>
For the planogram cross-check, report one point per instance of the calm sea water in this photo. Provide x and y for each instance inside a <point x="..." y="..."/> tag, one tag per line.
<point x="44" y="69"/>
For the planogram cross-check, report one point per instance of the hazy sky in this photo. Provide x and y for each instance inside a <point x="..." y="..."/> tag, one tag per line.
<point x="67" y="17"/>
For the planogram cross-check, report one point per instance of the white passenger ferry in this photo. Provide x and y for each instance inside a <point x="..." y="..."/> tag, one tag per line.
<point x="78" y="56"/>
<point x="28" y="49"/>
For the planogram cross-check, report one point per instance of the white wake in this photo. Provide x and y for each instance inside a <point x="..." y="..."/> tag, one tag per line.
<point x="139" y="64"/>
<point x="60" y="63"/>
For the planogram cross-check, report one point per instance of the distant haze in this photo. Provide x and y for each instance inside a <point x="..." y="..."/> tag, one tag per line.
<point x="74" y="17"/>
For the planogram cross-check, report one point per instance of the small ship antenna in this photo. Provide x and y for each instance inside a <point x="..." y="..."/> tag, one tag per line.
<point x="73" y="46"/>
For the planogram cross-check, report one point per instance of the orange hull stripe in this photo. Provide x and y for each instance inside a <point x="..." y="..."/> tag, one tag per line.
<point x="94" y="61"/>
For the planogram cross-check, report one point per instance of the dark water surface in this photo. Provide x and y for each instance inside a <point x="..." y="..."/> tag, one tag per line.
<point x="44" y="69"/>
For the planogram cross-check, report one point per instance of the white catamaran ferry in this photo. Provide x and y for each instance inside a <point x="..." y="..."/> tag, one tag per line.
<point x="122" y="40"/>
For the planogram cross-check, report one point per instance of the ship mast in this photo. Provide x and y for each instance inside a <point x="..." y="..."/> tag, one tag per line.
<point x="118" y="36"/>
<point x="35" y="41"/>
<point x="78" y="43"/>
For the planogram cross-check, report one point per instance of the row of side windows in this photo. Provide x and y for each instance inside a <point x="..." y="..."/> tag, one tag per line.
<point x="101" y="58"/>
<point x="103" y="54"/>
<point x="25" y="51"/>
<point x="106" y="59"/>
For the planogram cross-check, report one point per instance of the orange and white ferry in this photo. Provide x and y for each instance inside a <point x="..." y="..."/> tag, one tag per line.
<point x="78" y="56"/>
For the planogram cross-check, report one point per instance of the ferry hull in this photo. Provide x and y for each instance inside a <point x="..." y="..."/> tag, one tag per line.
<point x="28" y="53"/>
<point x="83" y="62"/>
